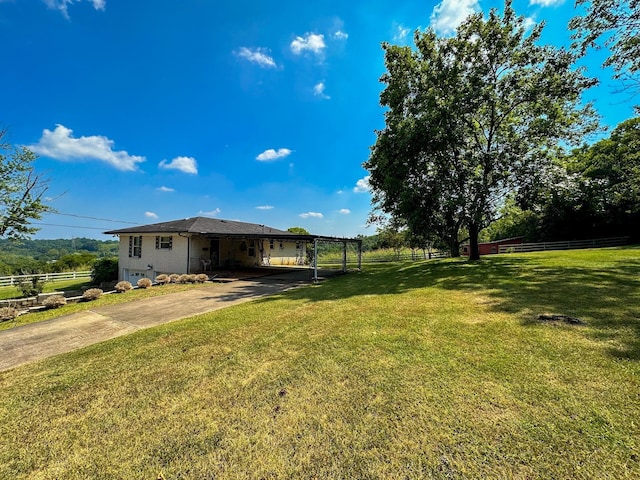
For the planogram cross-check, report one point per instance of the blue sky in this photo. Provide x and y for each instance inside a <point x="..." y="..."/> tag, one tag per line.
<point x="259" y="111"/>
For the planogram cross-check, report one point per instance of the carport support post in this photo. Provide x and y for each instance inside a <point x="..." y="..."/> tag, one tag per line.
<point x="315" y="259"/>
<point x="344" y="257"/>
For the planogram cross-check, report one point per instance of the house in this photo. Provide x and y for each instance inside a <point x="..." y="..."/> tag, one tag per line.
<point x="488" y="248"/>
<point x="201" y="244"/>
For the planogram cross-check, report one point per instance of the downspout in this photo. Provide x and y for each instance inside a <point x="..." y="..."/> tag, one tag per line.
<point x="188" y="255"/>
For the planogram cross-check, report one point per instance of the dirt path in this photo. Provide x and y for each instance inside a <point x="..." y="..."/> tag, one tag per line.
<point x="32" y="342"/>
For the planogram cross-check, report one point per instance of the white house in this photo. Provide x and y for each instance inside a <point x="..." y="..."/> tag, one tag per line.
<point x="201" y="244"/>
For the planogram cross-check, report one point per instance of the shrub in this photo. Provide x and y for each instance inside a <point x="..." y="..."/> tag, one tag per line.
<point x="184" y="278"/>
<point x="30" y="287"/>
<point x="123" y="286"/>
<point x="55" y="301"/>
<point x="7" y="313"/>
<point x="174" y="278"/>
<point x="105" y="270"/>
<point x="202" y="277"/>
<point x="192" y="278"/>
<point x="162" y="279"/>
<point x="92" y="294"/>
<point x="144" y="283"/>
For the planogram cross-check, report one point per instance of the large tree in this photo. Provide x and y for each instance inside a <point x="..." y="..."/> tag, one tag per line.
<point x="471" y="118"/>
<point x="613" y="24"/>
<point x="21" y="190"/>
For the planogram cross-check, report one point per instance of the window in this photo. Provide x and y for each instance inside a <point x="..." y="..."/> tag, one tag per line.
<point x="164" y="243"/>
<point x="135" y="246"/>
<point x="298" y="245"/>
<point x="271" y="244"/>
<point x="252" y="248"/>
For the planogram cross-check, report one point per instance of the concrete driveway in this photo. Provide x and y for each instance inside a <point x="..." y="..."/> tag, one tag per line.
<point x="29" y="343"/>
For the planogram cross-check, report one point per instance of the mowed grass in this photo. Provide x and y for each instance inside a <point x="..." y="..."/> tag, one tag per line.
<point x="7" y="293"/>
<point x="431" y="370"/>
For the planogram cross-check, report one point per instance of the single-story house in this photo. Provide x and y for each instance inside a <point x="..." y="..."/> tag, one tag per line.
<point x="201" y="244"/>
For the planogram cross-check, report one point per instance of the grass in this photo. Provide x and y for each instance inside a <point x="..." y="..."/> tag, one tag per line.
<point x="7" y="293"/>
<point x="429" y="370"/>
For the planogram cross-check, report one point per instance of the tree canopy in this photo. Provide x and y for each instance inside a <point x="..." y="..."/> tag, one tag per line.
<point x="613" y="24"/>
<point x="470" y="119"/>
<point x="21" y="190"/>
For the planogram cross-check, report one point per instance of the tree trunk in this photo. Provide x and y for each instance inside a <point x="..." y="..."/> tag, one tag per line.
<point x="474" y="250"/>
<point x="454" y="247"/>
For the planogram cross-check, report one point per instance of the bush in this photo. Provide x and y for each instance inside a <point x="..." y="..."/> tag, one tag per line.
<point x="105" y="270"/>
<point x="192" y="278"/>
<point x="54" y="301"/>
<point x="123" y="286"/>
<point x="202" y="277"/>
<point x="144" y="283"/>
<point x="7" y="313"/>
<point x="30" y="287"/>
<point x="184" y="278"/>
<point x="162" y="279"/>
<point x="92" y="294"/>
<point x="174" y="278"/>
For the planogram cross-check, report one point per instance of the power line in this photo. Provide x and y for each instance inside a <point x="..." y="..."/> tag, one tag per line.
<point x="66" y="226"/>
<point x="92" y="218"/>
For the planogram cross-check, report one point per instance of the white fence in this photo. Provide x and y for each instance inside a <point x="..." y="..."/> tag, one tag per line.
<point x="568" y="245"/>
<point x="47" y="277"/>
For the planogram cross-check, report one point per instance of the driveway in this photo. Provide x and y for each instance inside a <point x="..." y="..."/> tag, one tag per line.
<point x="29" y="343"/>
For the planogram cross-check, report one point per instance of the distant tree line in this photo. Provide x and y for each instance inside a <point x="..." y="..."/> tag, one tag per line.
<point x="45" y="256"/>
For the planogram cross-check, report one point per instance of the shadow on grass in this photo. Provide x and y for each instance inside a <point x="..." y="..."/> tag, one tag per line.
<point x="606" y="296"/>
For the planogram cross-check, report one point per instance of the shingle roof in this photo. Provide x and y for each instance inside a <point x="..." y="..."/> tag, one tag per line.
<point x="208" y="226"/>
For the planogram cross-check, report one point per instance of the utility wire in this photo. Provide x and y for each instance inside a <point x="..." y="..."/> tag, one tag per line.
<point x="92" y="218"/>
<point x="67" y="226"/>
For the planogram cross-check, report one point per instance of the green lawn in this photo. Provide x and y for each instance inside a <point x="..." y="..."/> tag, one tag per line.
<point x="7" y="293"/>
<point x="429" y="370"/>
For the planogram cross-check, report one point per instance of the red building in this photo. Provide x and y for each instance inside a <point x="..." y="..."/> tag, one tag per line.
<point x="490" y="248"/>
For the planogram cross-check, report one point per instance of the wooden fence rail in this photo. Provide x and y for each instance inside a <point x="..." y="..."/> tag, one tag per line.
<point x="375" y="257"/>
<point x="47" y="277"/>
<point x="568" y="245"/>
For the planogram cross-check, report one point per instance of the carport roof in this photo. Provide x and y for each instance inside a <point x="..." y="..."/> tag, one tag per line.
<point x="216" y="227"/>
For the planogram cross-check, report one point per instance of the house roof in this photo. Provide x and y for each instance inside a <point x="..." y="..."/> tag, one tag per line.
<point x="211" y="226"/>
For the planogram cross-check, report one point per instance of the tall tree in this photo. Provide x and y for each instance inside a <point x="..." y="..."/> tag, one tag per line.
<point x="471" y="118"/>
<point x="613" y="24"/>
<point x="21" y="190"/>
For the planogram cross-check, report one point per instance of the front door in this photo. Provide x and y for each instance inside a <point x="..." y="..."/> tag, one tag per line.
<point x="214" y="248"/>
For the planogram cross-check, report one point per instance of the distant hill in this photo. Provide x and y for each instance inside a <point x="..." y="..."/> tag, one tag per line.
<point x="48" y="250"/>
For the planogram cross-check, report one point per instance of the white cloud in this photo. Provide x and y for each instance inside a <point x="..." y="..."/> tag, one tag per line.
<point x="340" y="192"/>
<point x="166" y="189"/>
<point x="401" y="33"/>
<point x="257" y="55"/>
<point x="271" y="154"/>
<point x="545" y="3"/>
<point x="62" y="5"/>
<point x="311" y="215"/>
<point x="150" y="215"/>
<point x="362" y="185"/>
<point x="311" y="42"/>
<point x="529" y="23"/>
<point x="344" y="211"/>
<point x="448" y="14"/>
<point x="210" y="213"/>
<point x="318" y="91"/>
<point x="265" y="207"/>
<point x="184" y="164"/>
<point x="340" y="35"/>
<point x="60" y="145"/>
